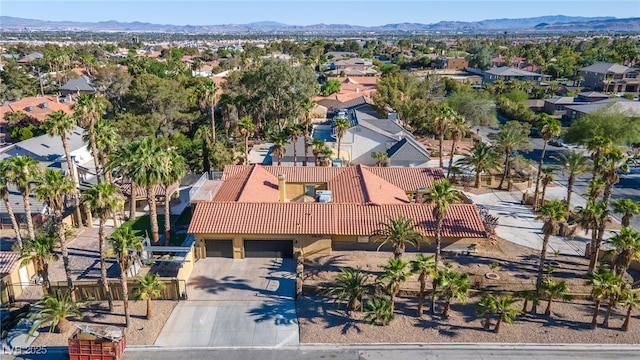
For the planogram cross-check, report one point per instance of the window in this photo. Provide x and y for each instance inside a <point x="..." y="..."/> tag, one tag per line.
<point x="310" y="190"/>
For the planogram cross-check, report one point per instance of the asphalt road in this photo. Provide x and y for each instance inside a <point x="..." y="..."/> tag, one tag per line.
<point x="628" y="187"/>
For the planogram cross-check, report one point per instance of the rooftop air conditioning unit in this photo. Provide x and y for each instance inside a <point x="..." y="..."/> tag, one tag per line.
<point x="323" y="196"/>
<point x="30" y="108"/>
<point x="44" y="105"/>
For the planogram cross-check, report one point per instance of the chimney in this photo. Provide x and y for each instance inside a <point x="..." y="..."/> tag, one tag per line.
<point x="282" y="187"/>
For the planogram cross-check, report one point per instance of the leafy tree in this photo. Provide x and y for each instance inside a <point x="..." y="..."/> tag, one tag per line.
<point x="4" y="192"/>
<point x="487" y="306"/>
<point x="480" y="57"/>
<point x="112" y="82"/>
<point x="332" y="86"/>
<point x="307" y="106"/>
<point x="603" y="284"/>
<point x="452" y="285"/>
<point x="505" y="311"/>
<point x="103" y="199"/>
<point x="625" y="248"/>
<point x="553" y="289"/>
<point x="22" y="171"/>
<point x="40" y="251"/>
<point x="123" y="242"/>
<point x="395" y="273"/>
<point x="398" y="232"/>
<point x="54" y="310"/>
<point x="629" y="299"/>
<point x="424" y="266"/>
<point x="350" y="287"/>
<point x="18" y="82"/>
<point x="441" y="196"/>
<point x="208" y="94"/>
<point x="149" y="287"/>
<point x="628" y="208"/>
<point x="548" y="128"/>
<point x="341" y="125"/>
<point x="477" y="108"/>
<point x="574" y="163"/>
<point x="552" y="213"/>
<point x="482" y="157"/>
<point x="608" y="123"/>
<point x="513" y="136"/>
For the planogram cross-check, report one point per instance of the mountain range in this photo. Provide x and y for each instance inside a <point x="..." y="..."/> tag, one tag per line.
<point x="557" y="23"/>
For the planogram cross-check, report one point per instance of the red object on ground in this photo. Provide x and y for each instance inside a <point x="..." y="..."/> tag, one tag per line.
<point x="83" y="346"/>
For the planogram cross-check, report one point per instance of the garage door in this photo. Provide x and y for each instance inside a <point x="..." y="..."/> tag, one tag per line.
<point x="219" y="248"/>
<point x="268" y="248"/>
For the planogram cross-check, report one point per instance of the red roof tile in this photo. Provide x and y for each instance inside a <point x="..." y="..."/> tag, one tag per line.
<point x="409" y="178"/>
<point x="254" y="184"/>
<point x="357" y="185"/>
<point x="38" y="113"/>
<point x="8" y="261"/>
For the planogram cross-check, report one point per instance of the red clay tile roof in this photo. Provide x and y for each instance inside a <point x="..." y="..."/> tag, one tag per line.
<point x="8" y="261"/>
<point x="141" y="192"/>
<point x="357" y="185"/>
<point x="463" y="220"/>
<point x="37" y="113"/>
<point x="254" y="184"/>
<point x="409" y="178"/>
<point x="297" y="174"/>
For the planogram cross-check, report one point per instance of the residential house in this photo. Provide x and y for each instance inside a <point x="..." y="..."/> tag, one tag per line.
<point x="36" y="110"/>
<point x="353" y="67"/>
<point x="555" y="106"/>
<point x="508" y="73"/>
<point x="15" y="277"/>
<point x="451" y="63"/>
<point x="621" y="105"/>
<point x="31" y="57"/>
<point x="78" y="86"/>
<point x="351" y="87"/>
<point x="267" y="211"/>
<point x="611" y="77"/>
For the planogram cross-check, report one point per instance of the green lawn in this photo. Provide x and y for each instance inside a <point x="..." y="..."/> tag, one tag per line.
<point x="142" y="225"/>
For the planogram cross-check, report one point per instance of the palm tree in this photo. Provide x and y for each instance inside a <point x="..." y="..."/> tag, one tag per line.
<point x="208" y="95"/>
<point x="316" y="146"/>
<point x="294" y="132"/>
<point x="379" y="311"/>
<point x="380" y="157"/>
<point x="595" y="188"/>
<point x="629" y="299"/>
<point x="327" y="155"/>
<point x="350" y="287"/>
<point x="425" y="266"/>
<point x="88" y="111"/>
<point x="54" y="310"/>
<point x="511" y="137"/>
<point x="554" y="289"/>
<point x="482" y="157"/>
<point x="398" y="232"/>
<point x="552" y="213"/>
<point x="4" y="192"/>
<point x="125" y="163"/>
<point x="440" y="123"/>
<point x="279" y="141"/>
<point x="247" y="127"/>
<point x="174" y="167"/>
<point x="602" y="284"/>
<point x="526" y="296"/>
<point x="458" y="127"/>
<point x="547" y="179"/>
<point x="53" y="189"/>
<point x="306" y="106"/>
<point x="548" y="128"/>
<point x="441" y="196"/>
<point x="505" y="311"/>
<point x="598" y="146"/>
<point x="340" y="126"/>
<point x="626" y="248"/>
<point x="395" y="273"/>
<point x="575" y="164"/>
<point x="40" y="251"/>
<point x="103" y="199"/>
<point x="123" y="242"/>
<point x="628" y="208"/>
<point x="452" y="285"/>
<point x="107" y="140"/>
<point x="23" y="172"/>
<point x="588" y="218"/>
<point x="59" y="123"/>
<point x="487" y="306"/>
<point x="149" y="287"/>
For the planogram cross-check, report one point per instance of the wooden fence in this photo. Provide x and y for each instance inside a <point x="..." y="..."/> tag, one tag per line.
<point x="88" y="290"/>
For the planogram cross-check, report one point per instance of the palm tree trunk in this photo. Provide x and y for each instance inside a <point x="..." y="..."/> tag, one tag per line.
<point x="306" y="146"/>
<point x="213" y="119"/>
<point x="433" y="296"/>
<point x="423" y="286"/>
<point x="570" y="182"/>
<point x="125" y="296"/>
<point x="65" y="254"/>
<point x="506" y="169"/>
<point x="627" y="319"/>
<point x="393" y="301"/>
<point x="339" y="143"/>
<point x="453" y="151"/>
<point x="447" y="305"/>
<point x="535" y="194"/>
<point x="14" y="222"/>
<point x="167" y="216"/>
<point x="94" y="151"/>
<point x="544" y="193"/>
<point x="132" y="202"/>
<point x="246" y="150"/>
<point x="74" y="176"/>
<point x="548" y="310"/>
<point x="596" y="311"/>
<point x="295" y="152"/>
<point x="440" y="141"/>
<point x="46" y="281"/>
<point x="315" y="159"/>
<point x="107" y="174"/>
<point x="438" y="239"/>
<point x="543" y="257"/>
<point x="478" y="178"/>
<point x="153" y="213"/>
<point x="27" y="213"/>
<point x="487" y="320"/>
<point x="498" y="323"/>
<point x="605" y="323"/>
<point x="524" y="305"/>
<point x="103" y="262"/>
<point x="595" y="252"/>
<point x="148" y="316"/>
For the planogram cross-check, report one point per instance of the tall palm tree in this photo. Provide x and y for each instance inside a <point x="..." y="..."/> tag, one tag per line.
<point x="505" y="311"/>
<point x="280" y="141"/>
<point x="123" y="242"/>
<point x="107" y="140"/>
<point x="628" y="208"/>
<point x="598" y="146"/>
<point x="88" y="110"/>
<point x="124" y="161"/>
<point x="53" y="189"/>
<point x="327" y="155"/>
<point x="103" y="199"/>
<point x="458" y="128"/>
<point x="595" y="188"/>
<point x="424" y="266"/>
<point x="398" y="232"/>
<point x="512" y="136"/>
<point x="482" y="157"/>
<point x="547" y="178"/>
<point x="174" y="166"/>
<point x="54" y="310"/>
<point x="149" y="287"/>
<point x="350" y="286"/>
<point x="626" y="248"/>
<point x="554" y="289"/>
<point x="548" y="128"/>
<point x="552" y="213"/>
<point x="23" y="172"/>
<point x="59" y="123"/>
<point x="316" y="146"/>
<point x="247" y="127"/>
<point x="441" y="196"/>
<point x="575" y="164"/>
<point x="208" y="95"/>
<point x="40" y="251"/>
<point x="589" y="217"/>
<point x="602" y="283"/>
<point x="395" y="273"/>
<point x="340" y="126"/>
<point x="487" y="306"/>
<point x="295" y="131"/>
<point x="443" y="116"/>
<point x="4" y="192"/>
<point x="629" y="299"/>
<point x="452" y="285"/>
<point x="307" y="105"/>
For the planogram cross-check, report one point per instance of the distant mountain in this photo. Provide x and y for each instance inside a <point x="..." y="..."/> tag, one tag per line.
<point x="557" y="23"/>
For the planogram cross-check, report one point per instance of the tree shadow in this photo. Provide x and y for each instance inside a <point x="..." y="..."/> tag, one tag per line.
<point x="316" y="309"/>
<point x="281" y="312"/>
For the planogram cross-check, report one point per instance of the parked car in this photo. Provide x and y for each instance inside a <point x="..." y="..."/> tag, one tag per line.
<point x="11" y="315"/>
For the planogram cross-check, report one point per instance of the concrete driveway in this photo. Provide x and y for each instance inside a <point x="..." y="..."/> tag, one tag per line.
<point x="248" y="302"/>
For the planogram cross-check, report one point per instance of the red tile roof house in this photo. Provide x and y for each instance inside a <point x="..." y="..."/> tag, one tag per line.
<point x="264" y="211"/>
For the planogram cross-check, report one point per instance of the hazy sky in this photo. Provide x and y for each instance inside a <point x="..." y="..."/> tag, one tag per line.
<point x="306" y="12"/>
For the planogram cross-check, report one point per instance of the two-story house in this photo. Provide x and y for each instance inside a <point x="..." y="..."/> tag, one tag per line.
<point x="611" y="77"/>
<point x="508" y="73"/>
